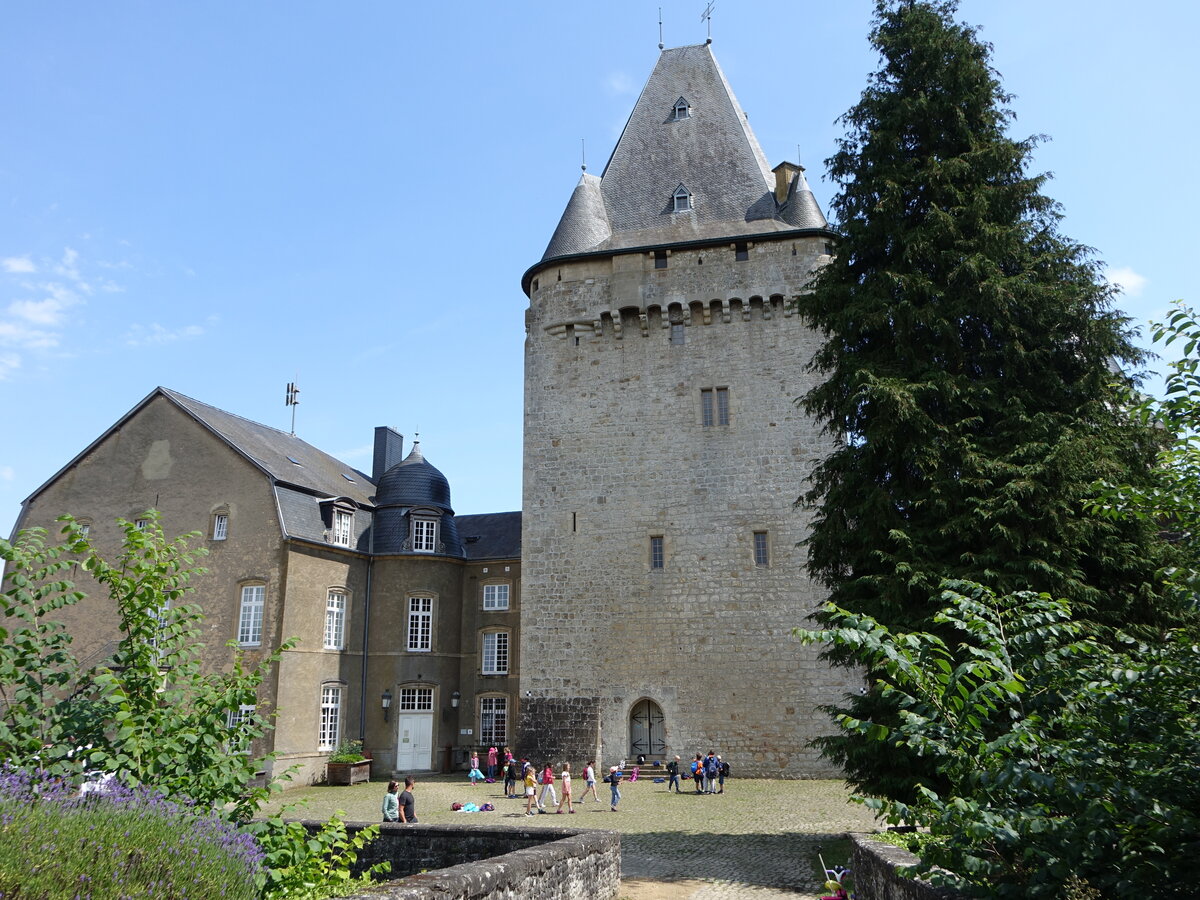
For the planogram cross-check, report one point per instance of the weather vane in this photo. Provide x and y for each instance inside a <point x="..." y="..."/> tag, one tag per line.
<point x="293" y="400"/>
<point x="707" y="15"/>
<point x="660" y="37"/>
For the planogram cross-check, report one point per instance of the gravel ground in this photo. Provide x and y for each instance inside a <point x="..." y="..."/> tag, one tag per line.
<point x="757" y="840"/>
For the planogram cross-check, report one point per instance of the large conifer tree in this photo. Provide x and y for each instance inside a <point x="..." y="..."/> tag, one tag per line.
<point x="969" y="352"/>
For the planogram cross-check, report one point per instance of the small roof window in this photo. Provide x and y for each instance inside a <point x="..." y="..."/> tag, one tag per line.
<point x="683" y="109"/>
<point x="682" y="199"/>
<point x="348" y="478"/>
<point x="295" y="462"/>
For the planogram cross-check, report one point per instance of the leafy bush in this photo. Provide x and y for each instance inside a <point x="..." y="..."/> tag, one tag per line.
<point x="125" y="842"/>
<point x="1068" y="761"/>
<point x="304" y="865"/>
<point x="347" y="752"/>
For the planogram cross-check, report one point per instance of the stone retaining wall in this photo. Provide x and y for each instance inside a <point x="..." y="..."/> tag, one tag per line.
<point x="449" y="862"/>
<point x="874" y="863"/>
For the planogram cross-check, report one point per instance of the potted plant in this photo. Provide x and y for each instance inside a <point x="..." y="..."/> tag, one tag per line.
<point x="347" y="765"/>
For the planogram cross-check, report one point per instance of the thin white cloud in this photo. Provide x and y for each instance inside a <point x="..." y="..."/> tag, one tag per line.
<point x="1129" y="281"/>
<point x="155" y="334"/>
<point x="9" y="363"/>
<point x="7" y="473"/>
<point x="620" y="84"/>
<point x="39" y="312"/>
<point x="18" y="264"/>
<point x="16" y="334"/>
<point x="363" y="451"/>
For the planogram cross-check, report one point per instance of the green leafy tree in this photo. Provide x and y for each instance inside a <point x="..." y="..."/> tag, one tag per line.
<point x="1063" y="760"/>
<point x="968" y="364"/>
<point x="150" y="714"/>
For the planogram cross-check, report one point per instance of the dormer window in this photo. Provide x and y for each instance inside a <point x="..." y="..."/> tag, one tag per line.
<point x="424" y="534"/>
<point x="682" y="109"/>
<point x="682" y="199"/>
<point x="343" y="527"/>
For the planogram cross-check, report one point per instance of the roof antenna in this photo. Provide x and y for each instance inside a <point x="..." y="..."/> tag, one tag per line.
<point x="660" y="39"/>
<point x="707" y="14"/>
<point x="293" y="401"/>
<point x="583" y="153"/>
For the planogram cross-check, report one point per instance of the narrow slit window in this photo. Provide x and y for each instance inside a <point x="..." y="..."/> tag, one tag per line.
<point x="656" y="552"/>
<point x="762" y="550"/>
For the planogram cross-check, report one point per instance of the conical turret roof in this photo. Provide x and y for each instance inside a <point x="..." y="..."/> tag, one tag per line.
<point x="413" y="482"/>
<point x="687" y="130"/>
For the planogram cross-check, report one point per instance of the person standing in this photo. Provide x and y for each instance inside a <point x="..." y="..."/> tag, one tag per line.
<point x="530" y="789"/>
<point x="698" y="773"/>
<point x="589" y="779"/>
<point x="491" y="763"/>
<point x="614" y="781"/>
<point x="510" y="777"/>
<point x="722" y="773"/>
<point x="566" y="790"/>
<point x="547" y="788"/>
<point x="475" y="775"/>
<point x="673" y="771"/>
<point x="391" y="803"/>
<point x="408" y="803"/>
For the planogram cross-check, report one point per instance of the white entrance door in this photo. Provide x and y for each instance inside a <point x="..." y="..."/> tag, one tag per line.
<point x="414" y="744"/>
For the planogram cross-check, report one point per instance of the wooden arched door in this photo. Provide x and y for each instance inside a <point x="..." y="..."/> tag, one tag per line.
<point x="647" y="731"/>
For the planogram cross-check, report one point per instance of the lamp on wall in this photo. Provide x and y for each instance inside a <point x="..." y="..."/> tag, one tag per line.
<point x="454" y="698"/>
<point x="387" y="702"/>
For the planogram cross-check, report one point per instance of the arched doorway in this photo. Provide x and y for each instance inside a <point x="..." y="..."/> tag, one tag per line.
<point x="647" y="733"/>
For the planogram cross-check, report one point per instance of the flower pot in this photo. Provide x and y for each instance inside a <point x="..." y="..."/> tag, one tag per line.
<point x="348" y="773"/>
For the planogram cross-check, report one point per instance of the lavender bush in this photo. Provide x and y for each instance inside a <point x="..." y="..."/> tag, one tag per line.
<point x="123" y="843"/>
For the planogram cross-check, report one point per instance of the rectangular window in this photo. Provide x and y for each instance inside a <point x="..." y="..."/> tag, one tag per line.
<point x="660" y="259"/>
<point x="495" y="653"/>
<point x="424" y="535"/>
<point x="335" y="620"/>
<point x="420" y="623"/>
<point x="714" y="406"/>
<point x="416" y="699"/>
<point x="250" y="619"/>
<point x="141" y="524"/>
<point x="493" y="721"/>
<point x="656" y="552"/>
<point x="220" y="527"/>
<point x="343" y="527"/>
<point x="161" y="615"/>
<point x="741" y="252"/>
<point x="762" y="551"/>
<point x="331" y="716"/>
<point x="238" y="742"/>
<point x="677" y="333"/>
<point x="495" y="596"/>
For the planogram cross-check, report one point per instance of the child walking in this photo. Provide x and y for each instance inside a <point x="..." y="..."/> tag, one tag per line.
<point x="530" y="790"/>
<point x="566" y="789"/>
<point x="547" y="788"/>
<point x="589" y="780"/>
<point x="614" y="779"/>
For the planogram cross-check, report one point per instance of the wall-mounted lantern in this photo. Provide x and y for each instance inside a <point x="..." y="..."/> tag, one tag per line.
<point x="387" y="702"/>
<point x="454" y="698"/>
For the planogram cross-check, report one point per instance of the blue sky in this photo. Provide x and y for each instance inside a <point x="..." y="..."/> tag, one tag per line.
<point x="224" y="197"/>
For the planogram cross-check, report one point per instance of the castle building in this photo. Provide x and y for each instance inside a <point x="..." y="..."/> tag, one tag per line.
<point x="642" y="602"/>
<point x="406" y="615"/>
<point x="664" y="448"/>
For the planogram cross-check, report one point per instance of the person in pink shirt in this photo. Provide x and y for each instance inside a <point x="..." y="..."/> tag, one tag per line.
<point x="491" y="763"/>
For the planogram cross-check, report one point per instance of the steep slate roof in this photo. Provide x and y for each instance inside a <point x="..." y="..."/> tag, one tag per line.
<point x="270" y="449"/>
<point x="712" y="152"/>
<point x="491" y="535"/>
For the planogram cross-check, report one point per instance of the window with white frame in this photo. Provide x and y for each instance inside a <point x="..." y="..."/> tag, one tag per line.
<point x="220" y="526"/>
<point x="250" y="616"/>
<point x="495" y="653"/>
<point x="141" y="524"/>
<point x="420" y="624"/>
<point x="239" y="742"/>
<point x="493" y="721"/>
<point x="343" y="527"/>
<point x="335" y="620"/>
<point x="416" y="699"/>
<point x="682" y="109"/>
<point x="495" y="596"/>
<point x="714" y="406"/>
<point x="331" y="716"/>
<point x="424" y="535"/>
<point x="161" y="618"/>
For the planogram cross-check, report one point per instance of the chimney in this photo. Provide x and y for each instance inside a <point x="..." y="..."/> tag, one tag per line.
<point x="389" y="450"/>
<point x="785" y="172"/>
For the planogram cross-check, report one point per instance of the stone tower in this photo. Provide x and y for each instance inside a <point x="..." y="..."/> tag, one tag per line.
<point x="663" y="449"/>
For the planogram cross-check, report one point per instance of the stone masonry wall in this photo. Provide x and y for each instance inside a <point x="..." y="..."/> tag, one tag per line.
<point x="616" y="453"/>
<point x="469" y="861"/>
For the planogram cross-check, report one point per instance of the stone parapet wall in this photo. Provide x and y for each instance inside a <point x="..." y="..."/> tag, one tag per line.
<point x="873" y="864"/>
<point x="448" y="862"/>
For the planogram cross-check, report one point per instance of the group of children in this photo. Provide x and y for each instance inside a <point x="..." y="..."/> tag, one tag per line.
<point x="524" y="771"/>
